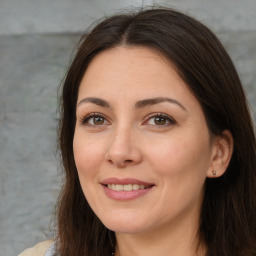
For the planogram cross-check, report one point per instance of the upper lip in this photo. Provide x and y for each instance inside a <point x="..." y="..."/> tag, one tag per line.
<point x="125" y="181"/>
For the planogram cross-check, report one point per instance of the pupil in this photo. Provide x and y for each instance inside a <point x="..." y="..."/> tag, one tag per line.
<point x="160" y="121"/>
<point x="98" y="120"/>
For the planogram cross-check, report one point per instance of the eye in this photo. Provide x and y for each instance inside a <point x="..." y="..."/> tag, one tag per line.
<point x="159" y="119"/>
<point x="94" y="119"/>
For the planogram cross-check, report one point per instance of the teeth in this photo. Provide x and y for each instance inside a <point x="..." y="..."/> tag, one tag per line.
<point x="135" y="187"/>
<point x="128" y="187"/>
<point x="119" y="188"/>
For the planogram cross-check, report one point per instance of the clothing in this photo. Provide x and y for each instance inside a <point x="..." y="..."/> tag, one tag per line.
<point x="46" y="248"/>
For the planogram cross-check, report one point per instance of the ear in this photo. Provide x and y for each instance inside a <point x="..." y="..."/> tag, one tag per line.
<point x="221" y="154"/>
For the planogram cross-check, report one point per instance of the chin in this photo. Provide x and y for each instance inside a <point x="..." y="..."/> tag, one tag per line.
<point x="125" y="225"/>
<point x="126" y="229"/>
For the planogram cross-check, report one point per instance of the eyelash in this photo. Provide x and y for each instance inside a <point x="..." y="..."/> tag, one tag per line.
<point x="165" y="117"/>
<point x="85" y="120"/>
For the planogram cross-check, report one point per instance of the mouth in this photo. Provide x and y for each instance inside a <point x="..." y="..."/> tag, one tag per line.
<point x="127" y="187"/>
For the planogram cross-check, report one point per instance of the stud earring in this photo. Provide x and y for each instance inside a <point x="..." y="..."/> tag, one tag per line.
<point x="214" y="173"/>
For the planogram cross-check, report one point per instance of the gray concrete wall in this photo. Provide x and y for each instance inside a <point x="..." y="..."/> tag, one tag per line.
<point x="36" y="41"/>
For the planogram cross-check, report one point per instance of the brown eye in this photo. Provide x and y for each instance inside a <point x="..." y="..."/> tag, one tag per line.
<point x="160" y="120"/>
<point x="94" y="119"/>
<point x="98" y="120"/>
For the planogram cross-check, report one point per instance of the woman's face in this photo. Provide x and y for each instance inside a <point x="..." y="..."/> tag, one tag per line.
<point x="141" y="144"/>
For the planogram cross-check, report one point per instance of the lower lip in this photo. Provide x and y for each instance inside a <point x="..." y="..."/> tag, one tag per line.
<point x="126" y="195"/>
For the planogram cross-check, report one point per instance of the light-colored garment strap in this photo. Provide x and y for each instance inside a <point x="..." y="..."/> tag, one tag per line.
<point x="51" y="251"/>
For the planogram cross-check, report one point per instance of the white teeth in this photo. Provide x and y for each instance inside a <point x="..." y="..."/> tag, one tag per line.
<point x="135" y="187"/>
<point x="119" y="187"/>
<point x="127" y="187"/>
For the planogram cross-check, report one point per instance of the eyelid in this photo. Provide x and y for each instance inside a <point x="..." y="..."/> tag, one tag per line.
<point x="84" y="119"/>
<point x="170" y="119"/>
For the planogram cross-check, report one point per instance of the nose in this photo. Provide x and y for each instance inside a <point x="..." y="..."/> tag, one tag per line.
<point x="123" y="149"/>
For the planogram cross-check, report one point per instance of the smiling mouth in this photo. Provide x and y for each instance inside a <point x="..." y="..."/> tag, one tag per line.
<point x="127" y="187"/>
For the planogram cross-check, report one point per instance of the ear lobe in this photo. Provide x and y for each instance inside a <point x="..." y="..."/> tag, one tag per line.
<point x="221" y="154"/>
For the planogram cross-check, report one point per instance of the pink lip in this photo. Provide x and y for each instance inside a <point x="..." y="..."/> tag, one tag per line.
<point x="125" y="181"/>
<point x="125" y="195"/>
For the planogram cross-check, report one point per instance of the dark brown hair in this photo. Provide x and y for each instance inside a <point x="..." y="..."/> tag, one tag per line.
<point x="228" y="214"/>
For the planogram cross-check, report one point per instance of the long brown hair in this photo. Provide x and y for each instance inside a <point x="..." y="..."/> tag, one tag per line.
<point x="228" y="214"/>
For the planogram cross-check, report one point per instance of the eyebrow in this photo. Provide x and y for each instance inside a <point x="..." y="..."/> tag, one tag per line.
<point x="153" y="101"/>
<point x="97" y="101"/>
<point x="138" y="104"/>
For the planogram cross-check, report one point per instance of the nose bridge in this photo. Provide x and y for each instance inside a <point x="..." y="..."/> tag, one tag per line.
<point x="121" y="137"/>
<point x="123" y="148"/>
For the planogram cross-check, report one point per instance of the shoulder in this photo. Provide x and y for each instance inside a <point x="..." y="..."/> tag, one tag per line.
<point x="38" y="250"/>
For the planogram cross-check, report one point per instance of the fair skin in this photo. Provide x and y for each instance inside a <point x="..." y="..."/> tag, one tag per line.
<point x="138" y="122"/>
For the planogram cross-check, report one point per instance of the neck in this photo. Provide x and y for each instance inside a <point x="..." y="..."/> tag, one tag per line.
<point x="178" y="239"/>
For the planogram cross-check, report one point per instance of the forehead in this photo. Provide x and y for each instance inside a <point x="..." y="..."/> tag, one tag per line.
<point x="135" y="67"/>
<point x="127" y="59"/>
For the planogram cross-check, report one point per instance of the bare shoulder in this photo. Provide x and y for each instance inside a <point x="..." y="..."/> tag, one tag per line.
<point x="38" y="250"/>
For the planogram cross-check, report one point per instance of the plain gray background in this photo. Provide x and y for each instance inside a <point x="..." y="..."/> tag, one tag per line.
<point x="36" y="42"/>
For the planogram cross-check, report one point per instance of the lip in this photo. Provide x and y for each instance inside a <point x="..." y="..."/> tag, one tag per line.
<point x="114" y="180"/>
<point x="125" y="195"/>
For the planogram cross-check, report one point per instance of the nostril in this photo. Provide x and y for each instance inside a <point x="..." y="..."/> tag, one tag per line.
<point x="110" y="161"/>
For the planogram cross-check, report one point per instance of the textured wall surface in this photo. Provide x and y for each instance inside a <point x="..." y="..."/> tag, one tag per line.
<point x="36" y="42"/>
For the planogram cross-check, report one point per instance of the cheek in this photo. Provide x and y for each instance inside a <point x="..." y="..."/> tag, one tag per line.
<point x="184" y="154"/>
<point x="88" y="154"/>
<point x="181" y="166"/>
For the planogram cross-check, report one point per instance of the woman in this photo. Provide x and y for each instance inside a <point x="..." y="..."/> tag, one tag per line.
<point x="157" y="144"/>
